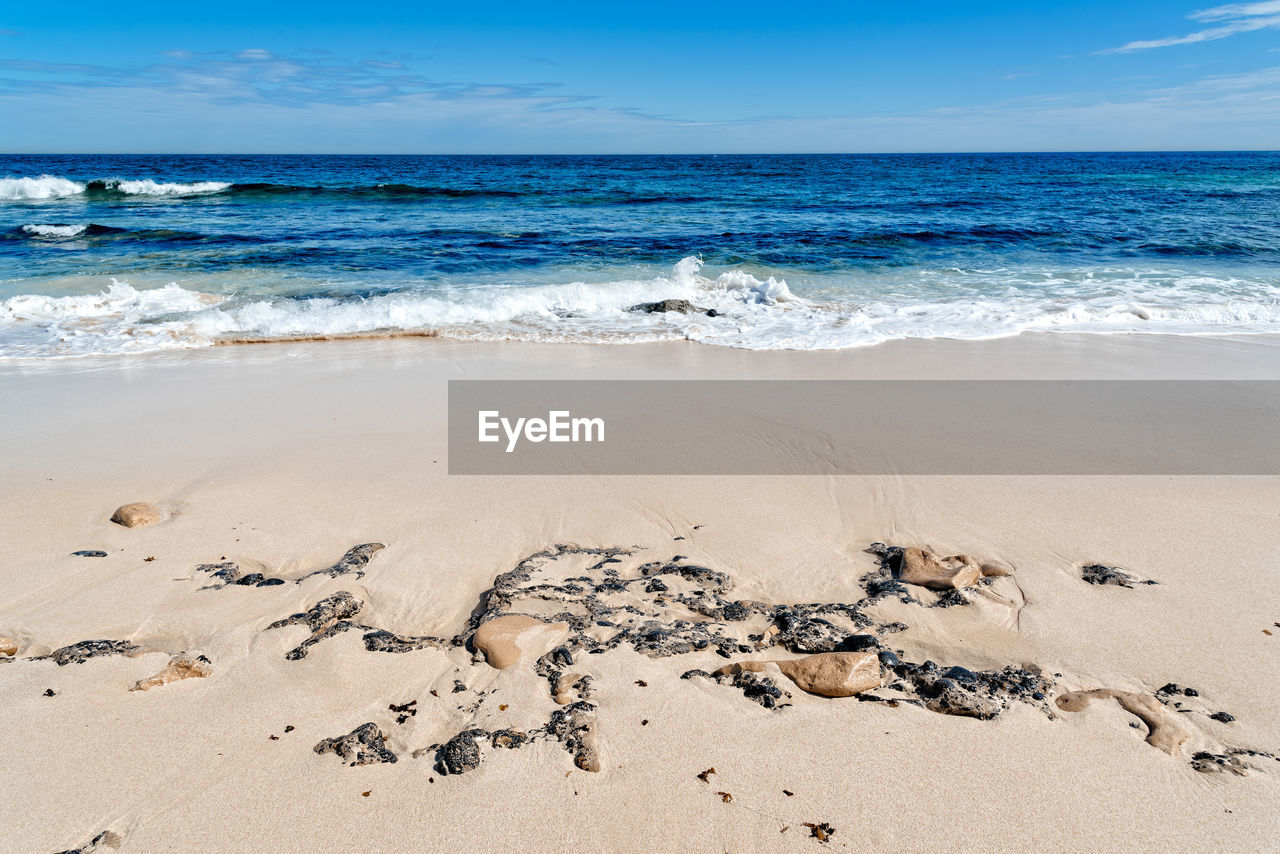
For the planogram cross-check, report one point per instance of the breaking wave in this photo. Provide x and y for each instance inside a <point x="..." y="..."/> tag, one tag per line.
<point x="749" y="312"/>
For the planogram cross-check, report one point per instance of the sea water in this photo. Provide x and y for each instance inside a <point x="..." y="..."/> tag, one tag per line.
<point x="124" y="254"/>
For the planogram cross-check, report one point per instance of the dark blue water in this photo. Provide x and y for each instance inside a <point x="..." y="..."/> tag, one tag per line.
<point x="112" y="253"/>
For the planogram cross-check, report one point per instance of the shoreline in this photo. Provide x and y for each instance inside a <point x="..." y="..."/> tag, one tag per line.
<point x="280" y="460"/>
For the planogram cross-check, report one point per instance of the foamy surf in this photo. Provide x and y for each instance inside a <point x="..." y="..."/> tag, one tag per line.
<point x="47" y="187"/>
<point x="53" y="230"/>
<point x="749" y="312"/>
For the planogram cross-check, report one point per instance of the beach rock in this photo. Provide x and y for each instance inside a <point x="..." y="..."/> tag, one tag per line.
<point x="571" y="687"/>
<point x="354" y="561"/>
<point x="337" y="606"/>
<point x="509" y="739"/>
<point x="104" y="841"/>
<point x="575" y="727"/>
<point x="8" y="647"/>
<point x="834" y="674"/>
<point x="364" y="745"/>
<point x="326" y="618"/>
<point x="1097" y="573"/>
<point x="1220" y="763"/>
<point x="79" y="653"/>
<point x="925" y="569"/>
<point x="179" y="667"/>
<point x="1165" y="730"/>
<point x="459" y="754"/>
<point x="681" y="306"/>
<point x="1223" y="717"/>
<point x="504" y="640"/>
<point x="89" y="553"/>
<point x="223" y="573"/>
<point x="996" y="569"/>
<point x="382" y="640"/>
<point x="948" y="697"/>
<point x="136" y="515"/>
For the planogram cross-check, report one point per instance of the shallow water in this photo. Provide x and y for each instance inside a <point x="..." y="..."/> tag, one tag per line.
<point x="103" y="254"/>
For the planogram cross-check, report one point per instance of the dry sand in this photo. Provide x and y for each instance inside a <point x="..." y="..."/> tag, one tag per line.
<point x="280" y="459"/>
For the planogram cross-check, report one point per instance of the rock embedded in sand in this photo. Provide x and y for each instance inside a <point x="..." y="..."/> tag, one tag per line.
<point x="834" y="674"/>
<point x="326" y="618"/>
<point x="136" y="515"/>
<point x="1097" y="573"/>
<point x="459" y="754"/>
<point x="8" y="646"/>
<point x="504" y="640"/>
<point x="571" y="687"/>
<point x="827" y="674"/>
<point x="1165" y="730"/>
<point x="680" y="306"/>
<point x="354" y="561"/>
<point x="925" y="569"/>
<point x="364" y="745"/>
<point x="996" y="569"/>
<point x="952" y="697"/>
<point x="79" y="653"/>
<point x="106" y="840"/>
<point x="575" y="727"/>
<point x="179" y="667"/>
<point x="89" y="553"/>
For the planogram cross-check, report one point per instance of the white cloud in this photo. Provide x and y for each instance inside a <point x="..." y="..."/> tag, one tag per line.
<point x="1234" y="19"/>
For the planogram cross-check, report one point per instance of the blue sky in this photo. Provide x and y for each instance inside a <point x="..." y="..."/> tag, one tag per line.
<point x="748" y="76"/>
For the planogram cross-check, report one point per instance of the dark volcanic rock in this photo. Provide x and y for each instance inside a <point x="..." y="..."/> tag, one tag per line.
<point x="950" y="698"/>
<point x="682" y="306"/>
<point x="223" y="573"/>
<point x="1096" y="573"/>
<point x="382" y="640"/>
<point x="354" y="561"/>
<point x="509" y="738"/>
<point x="364" y="745"/>
<point x="326" y="618"/>
<point x="1222" y="717"/>
<point x="460" y="754"/>
<point x="89" y="553"/>
<point x="575" y="727"/>
<point x="98" y="845"/>
<point x="79" y="653"/>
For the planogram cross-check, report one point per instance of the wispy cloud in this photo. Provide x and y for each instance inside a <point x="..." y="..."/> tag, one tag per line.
<point x="1229" y="20"/>
<point x="257" y="75"/>
<point x="264" y="102"/>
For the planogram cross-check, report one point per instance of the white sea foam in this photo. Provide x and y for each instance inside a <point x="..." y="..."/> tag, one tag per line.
<point x="752" y="312"/>
<point x="54" y="187"/>
<point x="43" y="187"/>
<point x="38" y="230"/>
<point x="148" y="187"/>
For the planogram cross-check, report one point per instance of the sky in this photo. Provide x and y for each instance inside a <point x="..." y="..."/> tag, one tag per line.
<point x="654" y="77"/>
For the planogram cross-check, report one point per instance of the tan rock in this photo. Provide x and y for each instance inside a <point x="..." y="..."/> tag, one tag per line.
<point x="505" y="640"/>
<point x="569" y="688"/>
<point x="996" y="569"/>
<point x="834" y="674"/>
<point x="1165" y="728"/>
<point x="179" y="667"/>
<point x="136" y="515"/>
<point x="917" y="566"/>
<point x="827" y="674"/>
<point x="8" y="646"/>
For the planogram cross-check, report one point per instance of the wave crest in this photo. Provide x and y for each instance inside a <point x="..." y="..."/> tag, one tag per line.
<point x="751" y="313"/>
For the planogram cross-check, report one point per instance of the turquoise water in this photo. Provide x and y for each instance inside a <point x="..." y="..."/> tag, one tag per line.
<point x="109" y="254"/>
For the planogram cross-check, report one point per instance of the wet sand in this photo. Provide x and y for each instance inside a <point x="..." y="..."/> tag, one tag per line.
<point x="310" y="598"/>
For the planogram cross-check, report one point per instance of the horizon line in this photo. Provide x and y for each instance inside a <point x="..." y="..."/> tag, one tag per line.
<point x="638" y="154"/>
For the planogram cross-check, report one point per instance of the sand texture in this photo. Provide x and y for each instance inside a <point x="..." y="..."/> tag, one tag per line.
<point x="326" y="643"/>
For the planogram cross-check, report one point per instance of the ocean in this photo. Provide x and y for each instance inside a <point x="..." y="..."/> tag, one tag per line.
<point x="129" y="254"/>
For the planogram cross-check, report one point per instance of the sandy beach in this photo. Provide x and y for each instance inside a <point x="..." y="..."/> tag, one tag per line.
<point x="268" y="464"/>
